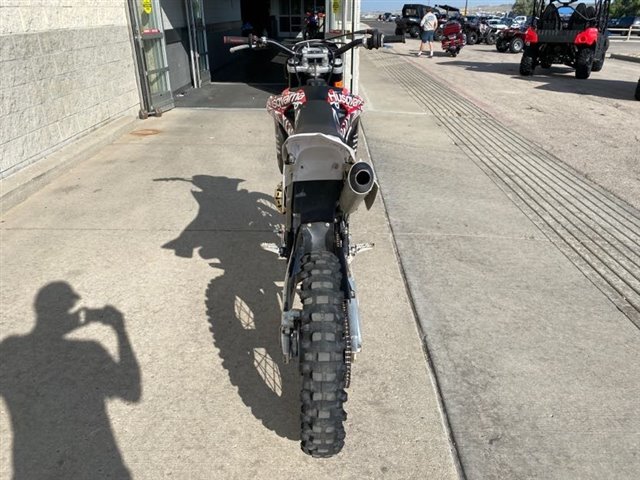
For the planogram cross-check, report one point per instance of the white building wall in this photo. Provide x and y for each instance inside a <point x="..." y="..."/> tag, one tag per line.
<point x="66" y="67"/>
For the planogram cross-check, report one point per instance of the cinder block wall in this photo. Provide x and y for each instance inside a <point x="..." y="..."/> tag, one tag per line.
<point x="66" y="68"/>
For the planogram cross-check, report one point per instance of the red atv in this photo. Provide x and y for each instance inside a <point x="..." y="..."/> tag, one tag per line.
<point x="581" y="42"/>
<point x="510" y="40"/>
<point x="452" y="38"/>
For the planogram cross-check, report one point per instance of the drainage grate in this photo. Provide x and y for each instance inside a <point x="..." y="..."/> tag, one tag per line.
<point x="598" y="232"/>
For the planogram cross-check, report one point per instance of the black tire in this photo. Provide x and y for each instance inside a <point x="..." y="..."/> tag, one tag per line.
<point x="545" y="64"/>
<point x="322" y="362"/>
<point x="491" y="38"/>
<point x="526" y="66"/>
<point x="472" y="38"/>
<point x="414" y="31"/>
<point x="280" y="138"/>
<point x="437" y="35"/>
<point x="584" y="63"/>
<point x="501" y="46"/>
<point x="598" y="64"/>
<point x="638" y="91"/>
<point x="399" y="31"/>
<point x="516" y="45"/>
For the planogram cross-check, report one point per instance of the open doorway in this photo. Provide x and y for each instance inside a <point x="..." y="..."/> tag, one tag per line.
<point x="257" y="14"/>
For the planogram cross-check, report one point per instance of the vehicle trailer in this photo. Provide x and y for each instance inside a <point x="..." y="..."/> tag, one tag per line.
<point x="581" y="42"/>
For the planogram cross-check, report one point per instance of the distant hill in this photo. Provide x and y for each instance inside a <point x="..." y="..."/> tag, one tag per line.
<point x="506" y="7"/>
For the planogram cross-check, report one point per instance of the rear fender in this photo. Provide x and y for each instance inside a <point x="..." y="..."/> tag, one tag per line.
<point x="315" y="156"/>
<point x="311" y="237"/>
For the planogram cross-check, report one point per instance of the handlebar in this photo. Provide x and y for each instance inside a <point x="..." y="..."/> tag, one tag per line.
<point x="233" y="40"/>
<point x="374" y="40"/>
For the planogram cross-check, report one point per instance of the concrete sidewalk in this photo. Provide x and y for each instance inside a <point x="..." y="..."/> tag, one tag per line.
<point x="536" y="362"/>
<point x="165" y="225"/>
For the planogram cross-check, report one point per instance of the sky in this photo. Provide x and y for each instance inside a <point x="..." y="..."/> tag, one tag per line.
<point x="396" y="5"/>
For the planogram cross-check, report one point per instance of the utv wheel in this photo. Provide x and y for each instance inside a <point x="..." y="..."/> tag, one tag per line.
<point x="472" y="38"/>
<point x="526" y="66"/>
<point x="414" y="31"/>
<point x="598" y="64"/>
<point x="491" y="38"/>
<point x="322" y="356"/>
<point x="638" y="91"/>
<point x="584" y="63"/>
<point x="516" y="45"/>
<point x="501" y="46"/>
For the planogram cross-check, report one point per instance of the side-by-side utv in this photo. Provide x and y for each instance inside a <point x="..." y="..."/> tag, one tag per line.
<point x="580" y="41"/>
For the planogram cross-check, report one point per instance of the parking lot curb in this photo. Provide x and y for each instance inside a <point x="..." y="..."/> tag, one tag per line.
<point x="628" y="58"/>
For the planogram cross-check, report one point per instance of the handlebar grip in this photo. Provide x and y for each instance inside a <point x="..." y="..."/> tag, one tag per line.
<point x="394" y="39"/>
<point x="238" y="48"/>
<point x="233" y="40"/>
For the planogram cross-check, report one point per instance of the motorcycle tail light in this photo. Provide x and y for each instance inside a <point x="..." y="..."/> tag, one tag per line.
<point x="530" y="36"/>
<point x="339" y="84"/>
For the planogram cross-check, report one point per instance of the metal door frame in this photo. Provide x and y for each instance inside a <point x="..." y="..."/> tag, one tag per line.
<point x="152" y="103"/>
<point x="194" y="54"/>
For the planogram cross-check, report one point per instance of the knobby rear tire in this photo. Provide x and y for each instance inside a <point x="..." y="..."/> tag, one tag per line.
<point x="322" y="362"/>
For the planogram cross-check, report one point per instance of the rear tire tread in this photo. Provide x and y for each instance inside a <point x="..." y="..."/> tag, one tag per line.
<point x="322" y="365"/>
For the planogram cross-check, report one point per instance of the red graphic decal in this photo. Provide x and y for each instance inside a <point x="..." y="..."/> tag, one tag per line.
<point x="286" y="99"/>
<point x="345" y="100"/>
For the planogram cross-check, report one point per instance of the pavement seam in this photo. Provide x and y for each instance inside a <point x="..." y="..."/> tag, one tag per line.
<point x="433" y="377"/>
<point x="596" y="231"/>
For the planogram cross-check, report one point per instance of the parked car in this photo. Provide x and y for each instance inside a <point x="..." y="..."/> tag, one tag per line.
<point x="385" y="16"/>
<point x="392" y="18"/>
<point x="627" y="22"/>
<point x="521" y="19"/>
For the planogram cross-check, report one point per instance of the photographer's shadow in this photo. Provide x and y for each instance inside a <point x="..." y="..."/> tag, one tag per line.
<point x="242" y="301"/>
<point x="56" y="390"/>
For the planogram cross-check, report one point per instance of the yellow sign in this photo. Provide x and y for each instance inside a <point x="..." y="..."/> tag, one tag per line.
<point x="146" y="6"/>
<point x="336" y="6"/>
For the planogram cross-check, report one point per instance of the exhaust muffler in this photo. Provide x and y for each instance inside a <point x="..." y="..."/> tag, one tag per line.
<point x="360" y="183"/>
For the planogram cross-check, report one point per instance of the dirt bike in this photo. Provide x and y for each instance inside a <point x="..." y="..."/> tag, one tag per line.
<point x="323" y="183"/>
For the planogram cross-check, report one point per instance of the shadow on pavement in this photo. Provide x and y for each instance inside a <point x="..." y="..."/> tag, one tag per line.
<point x="56" y="391"/>
<point x="557" y="79"/>
<point x="242" y="304"/>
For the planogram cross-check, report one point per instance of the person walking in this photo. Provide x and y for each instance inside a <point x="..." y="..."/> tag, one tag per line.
<point x="429" y="24"/>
